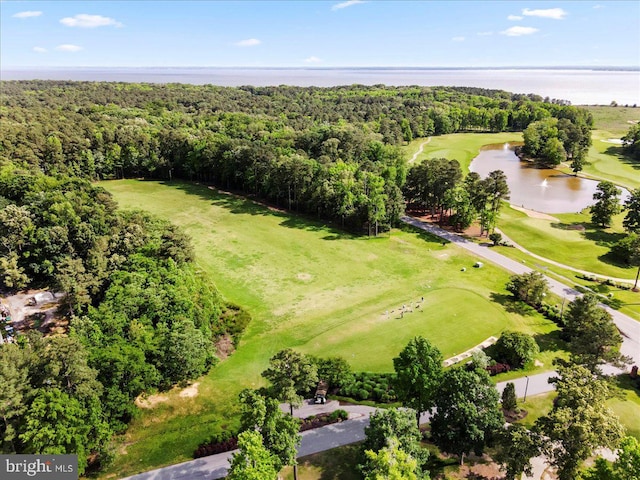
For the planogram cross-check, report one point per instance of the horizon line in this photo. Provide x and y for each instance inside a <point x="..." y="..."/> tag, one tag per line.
<point x="327" y="67"/>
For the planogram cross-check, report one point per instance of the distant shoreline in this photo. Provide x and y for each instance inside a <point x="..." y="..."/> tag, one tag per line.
<point x="610" y="68"/>
<point x="579" y="85"/>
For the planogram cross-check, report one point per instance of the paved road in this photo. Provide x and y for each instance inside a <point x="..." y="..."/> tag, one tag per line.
<point x="319" y="439"/>
<point x="352" y="430"/>
<point x="629" y="328"/>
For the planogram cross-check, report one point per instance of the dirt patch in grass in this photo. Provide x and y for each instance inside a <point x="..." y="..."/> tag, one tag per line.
<point x="224" y="347"/>
<point x="305" y="277"/>
<point x="150" y="401"/>
<point x="190" y="391"/>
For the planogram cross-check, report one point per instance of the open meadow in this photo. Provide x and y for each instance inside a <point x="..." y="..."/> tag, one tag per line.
<point x="316" y="289"/>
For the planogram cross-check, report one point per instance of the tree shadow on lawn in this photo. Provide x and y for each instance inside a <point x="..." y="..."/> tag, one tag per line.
<point x="611" y="259"/>
<point x="550" y="342"/>
<point x="341" y="464"/>
<point x="241" y="205"/>
<point x="512" y="305"/>
<point x="422" y="234"/>
<point x="618" y="152"/>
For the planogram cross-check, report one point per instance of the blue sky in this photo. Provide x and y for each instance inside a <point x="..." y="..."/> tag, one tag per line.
<point x="319" y="33"/>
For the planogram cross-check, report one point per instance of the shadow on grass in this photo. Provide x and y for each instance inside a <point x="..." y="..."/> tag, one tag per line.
<point x="336" y="464"/>
<point x="512" y="305"/>
<point x="422" y="234"/>
<point x="246" y="205"/>
<point x="618" y="152"/>
<point x="550" y="342"/>
<point x="611" y="259"/>
<point x="626" y="384"/>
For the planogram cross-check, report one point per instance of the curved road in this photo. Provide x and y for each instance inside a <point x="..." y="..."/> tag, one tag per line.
<point x="319" y="439"/>
<point x="352" y="430"/>
<point x="629" y="328"/>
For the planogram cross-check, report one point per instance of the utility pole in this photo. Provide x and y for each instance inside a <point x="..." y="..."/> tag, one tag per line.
<point x="526" y="387"/>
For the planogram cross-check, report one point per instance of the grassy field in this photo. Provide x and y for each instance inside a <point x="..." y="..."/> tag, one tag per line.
<point x="558" y="240"/>
<point x="463" y="147"/>
<point x="313" y="288"/>
<point x="605" y="159"/>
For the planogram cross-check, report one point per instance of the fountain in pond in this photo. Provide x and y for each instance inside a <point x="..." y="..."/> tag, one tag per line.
<point x="506" y="146"/>
<point x="544" y="183"/>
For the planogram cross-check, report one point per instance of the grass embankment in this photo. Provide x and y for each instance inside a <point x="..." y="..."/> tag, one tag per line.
<point x="463" y="147"/>
<point x="313" y="288"/>
<point x="605" y="160"/>
<point x="586" y="249"/>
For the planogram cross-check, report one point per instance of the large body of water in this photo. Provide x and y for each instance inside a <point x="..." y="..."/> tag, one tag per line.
<point x="539" y="189"/>
<point x="579" y="86"/>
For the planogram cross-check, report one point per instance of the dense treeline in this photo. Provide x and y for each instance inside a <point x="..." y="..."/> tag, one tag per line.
<point x="141" y="317"/>
<point x="329" y="152"/>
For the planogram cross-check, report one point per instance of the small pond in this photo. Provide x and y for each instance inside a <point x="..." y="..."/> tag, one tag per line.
<point x="540" y="189"/>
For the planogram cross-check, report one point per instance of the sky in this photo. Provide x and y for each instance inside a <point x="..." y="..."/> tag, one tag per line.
<point x="343" y="33"/>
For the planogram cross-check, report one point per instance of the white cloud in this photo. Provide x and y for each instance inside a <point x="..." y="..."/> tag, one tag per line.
<point x="598" y="6"/>
<point x="27" y="14"/>
<point x="514" y="17"/>
<point x="39" y="50"/>
<point x="485" y="34"/>
<point x="68" y="48"/>
<point x="312" y="59"/>
<point x="83" y="20"/>
<point x="555" y="13"/>
<point x="249" y="42"/>
<point x="458" y="39"/>
<point x="346" y="4"/>
<point x="518" y="31"/>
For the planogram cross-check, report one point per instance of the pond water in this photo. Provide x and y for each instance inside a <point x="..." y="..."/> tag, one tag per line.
<point x="540" y="189"/>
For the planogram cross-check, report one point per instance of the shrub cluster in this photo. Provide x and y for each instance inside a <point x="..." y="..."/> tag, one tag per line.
<point x="220" y="443"/>
<point x="371" y="386"/>
<point x="323" y="419"/>
<point x="497" y="368"/>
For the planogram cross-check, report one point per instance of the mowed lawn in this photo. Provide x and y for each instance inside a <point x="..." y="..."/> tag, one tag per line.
<point x="313" y="288"/>
<point x="463" y="147"/>
<point x="559" y="240"/>
<point x="605" y="159"/>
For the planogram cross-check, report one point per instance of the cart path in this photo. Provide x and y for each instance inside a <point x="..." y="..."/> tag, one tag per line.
<point x="562" y="265"/>
<point x="629" y="328"/>
<point x="420" y="150"/>
<point x="319" y="439"/>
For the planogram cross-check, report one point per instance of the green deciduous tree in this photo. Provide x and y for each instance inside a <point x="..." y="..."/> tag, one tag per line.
<point x="418" y="374"/>
<point x="631" y="220"/>
<point x="579" y="421"/>
<point x="253" y="461"/>
<point x="530" y="287"/>
<point x="516" y="348"/>
<point x="517" y="445"/>
<point x="628" y="250"/>
<point x="625" y="467"/>
<point x="390" y="463"/>
<point x="607" y="203"/>
<point x="280" y="432"/>
<point x="631" y="141"/>
<point x="15" y="395"/>
<point x="467" y="412"/>
<point x="396" y="424"/>
<point x="290" y="372"/>
<point x="593" y="337"/>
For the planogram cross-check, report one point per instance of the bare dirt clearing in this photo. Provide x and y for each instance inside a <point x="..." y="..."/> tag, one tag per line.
<point x="43" y="315"/>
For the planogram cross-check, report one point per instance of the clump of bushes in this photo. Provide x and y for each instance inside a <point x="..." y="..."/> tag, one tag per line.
<point x="224" y="441"/>
<point x="376" y="387"/>
<point x="497" y="368"/>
